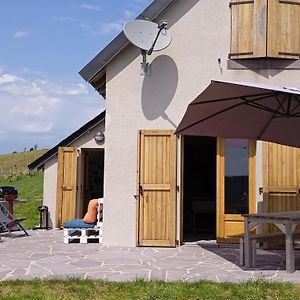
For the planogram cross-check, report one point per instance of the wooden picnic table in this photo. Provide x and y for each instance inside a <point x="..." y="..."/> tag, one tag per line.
<point x="285" y="221"/>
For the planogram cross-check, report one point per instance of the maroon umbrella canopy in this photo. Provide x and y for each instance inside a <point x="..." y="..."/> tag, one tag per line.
<point x="245" y="110"/>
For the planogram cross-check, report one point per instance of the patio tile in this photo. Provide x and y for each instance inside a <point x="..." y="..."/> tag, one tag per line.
<point x="44" y="255"/>
<point x="85" y="263"/>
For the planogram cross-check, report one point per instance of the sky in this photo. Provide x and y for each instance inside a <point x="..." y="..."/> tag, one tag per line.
<point x="43" y="46"/>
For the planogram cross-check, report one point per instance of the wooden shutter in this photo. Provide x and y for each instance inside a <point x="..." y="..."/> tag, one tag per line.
<point x="248" y="29"/>
<point x="66" y="185"/>
<point x="157" y="188"/>
<point x="283" y="29"/>
<point x="281" y="178"/>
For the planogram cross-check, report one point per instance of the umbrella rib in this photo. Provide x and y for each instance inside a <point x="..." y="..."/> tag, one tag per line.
<point x="211" y="116"/>
<point x="253" y="103"/>
<point x="262" y="107"/>
<point x="296" y="106"/>
<point x="271" y="118"/>
<point x="280" y="104"/>
<point x="262" y="96"/>
<point x="288" y="108"/>
<point x="264" y="128"/>
<point x="280" y="111"/>
<point x="246" y="100"/>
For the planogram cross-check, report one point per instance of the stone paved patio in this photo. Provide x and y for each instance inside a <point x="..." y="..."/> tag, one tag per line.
<point x="43" y="255"/>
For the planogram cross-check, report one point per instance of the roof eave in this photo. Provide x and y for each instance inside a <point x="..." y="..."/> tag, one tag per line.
<point x="99" y="62"/>
<point x="39" y="162"/>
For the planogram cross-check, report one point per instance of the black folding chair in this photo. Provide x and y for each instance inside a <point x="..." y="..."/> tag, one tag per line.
<point x="7" y="221"/>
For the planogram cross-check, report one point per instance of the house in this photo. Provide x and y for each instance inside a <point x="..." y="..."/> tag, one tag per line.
<point x="162" y="189"/>
<point x="73" y="172"/>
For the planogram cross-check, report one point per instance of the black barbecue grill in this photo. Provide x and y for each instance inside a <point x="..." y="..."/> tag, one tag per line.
<point x="9" y="193"/>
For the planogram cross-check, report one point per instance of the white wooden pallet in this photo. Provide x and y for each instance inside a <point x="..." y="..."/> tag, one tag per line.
<point x="83" y="235"/>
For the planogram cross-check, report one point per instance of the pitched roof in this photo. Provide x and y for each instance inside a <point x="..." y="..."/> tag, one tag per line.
<point x="38" y="163"/>
<point x="98" y="63"/>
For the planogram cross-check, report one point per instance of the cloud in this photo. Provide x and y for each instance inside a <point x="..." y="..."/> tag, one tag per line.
<point x="42" y="111"/>
<point x="86" y="24"/>
<point x="116" y="26"/>
<point x="37" y="127"/>
<point x="110" y="27"/>
<point x="91" y="7"/>
<point x="20" y="34"/>
<point x="9" y="78"/>
<point x="107" y="28"/>
<point x="28" y="71"/>
<point x="103" y="28"/>
<point x="66" y="19"/>
<point x="129" y="14"/>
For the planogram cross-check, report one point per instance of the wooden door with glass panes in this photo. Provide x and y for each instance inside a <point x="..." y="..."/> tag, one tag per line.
<point x="235" y="186"/>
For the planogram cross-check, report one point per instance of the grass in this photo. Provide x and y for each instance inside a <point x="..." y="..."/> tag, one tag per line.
<point x="145" y="290"/>
<point x="14" y="171"/>
<point x="30" y="188"/>
<point x="16" y="163"/>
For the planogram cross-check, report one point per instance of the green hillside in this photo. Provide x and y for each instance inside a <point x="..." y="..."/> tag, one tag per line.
<point x="16" y="163"/>
<point x="13" y="171"/>
<point x="30" y="189"/>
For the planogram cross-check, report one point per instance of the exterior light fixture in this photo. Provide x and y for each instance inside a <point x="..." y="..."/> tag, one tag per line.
<point x="99" y="136"/>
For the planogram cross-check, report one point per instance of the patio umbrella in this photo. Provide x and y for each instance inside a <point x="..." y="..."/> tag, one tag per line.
<point x="245" y="110"/>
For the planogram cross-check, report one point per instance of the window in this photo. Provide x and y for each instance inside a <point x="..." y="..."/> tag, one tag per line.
<point x="265" y="28"/>
<point x="236" y="176"/>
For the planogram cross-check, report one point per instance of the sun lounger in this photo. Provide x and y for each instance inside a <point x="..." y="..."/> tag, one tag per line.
<point x="7" y="221"/>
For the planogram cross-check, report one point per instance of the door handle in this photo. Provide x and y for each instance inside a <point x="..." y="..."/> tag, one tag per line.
<point x="66" y="188"/>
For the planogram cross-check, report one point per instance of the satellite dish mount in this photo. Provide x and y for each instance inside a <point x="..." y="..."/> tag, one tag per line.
<point x="149" y="37"/>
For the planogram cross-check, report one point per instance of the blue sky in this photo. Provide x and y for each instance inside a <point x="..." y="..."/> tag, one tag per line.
<point x="43" y="46"/>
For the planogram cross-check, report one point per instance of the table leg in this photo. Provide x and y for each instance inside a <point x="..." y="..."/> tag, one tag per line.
<point x="247" y="243"/>
<point x="289" y="249"/>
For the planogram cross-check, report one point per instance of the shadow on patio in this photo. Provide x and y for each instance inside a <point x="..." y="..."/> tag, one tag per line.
<point x="265" y="259"/>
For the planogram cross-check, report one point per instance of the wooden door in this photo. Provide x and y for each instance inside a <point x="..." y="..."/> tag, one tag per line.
<point x="157" y="188"/>
<point x="66" y="185"/>
<point x="235" y="186"/>
<point x="281" y="178"/>
<point x="82" y="185"/>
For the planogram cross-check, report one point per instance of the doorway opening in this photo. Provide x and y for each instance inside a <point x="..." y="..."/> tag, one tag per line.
<point x="92" y="176"/>
<point x="199" y="196"/>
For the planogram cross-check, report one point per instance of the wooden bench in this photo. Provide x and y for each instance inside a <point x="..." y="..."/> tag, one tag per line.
<point x="77" y="230"/>
<point x="83" y="235"/>
<point x="260" y="238"/>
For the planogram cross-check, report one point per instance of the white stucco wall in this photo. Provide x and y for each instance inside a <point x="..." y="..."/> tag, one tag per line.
<point x="200" y="37"/>
<point x="49" y="192"/>
<point x="50" y="170"/>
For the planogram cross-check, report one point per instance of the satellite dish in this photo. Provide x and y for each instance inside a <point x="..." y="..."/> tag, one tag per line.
<point x="148" y="36"/>
<point x="143" y="33"/>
